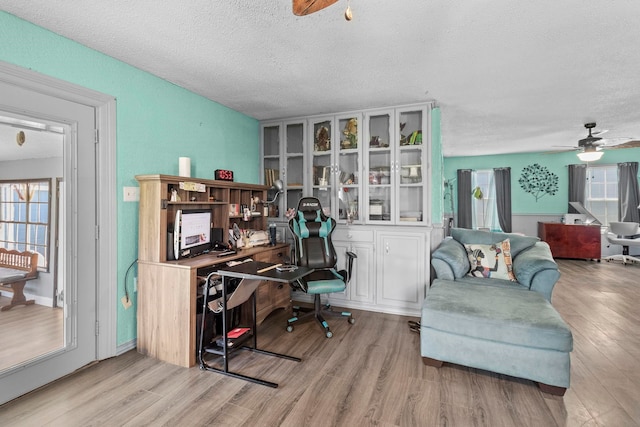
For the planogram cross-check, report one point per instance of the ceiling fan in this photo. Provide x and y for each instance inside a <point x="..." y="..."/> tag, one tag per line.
<point x="590" y="148"/>
<point x="307" y="7"/>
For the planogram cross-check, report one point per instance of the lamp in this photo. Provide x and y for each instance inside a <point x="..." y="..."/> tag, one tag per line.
<point x="590" y="154"/>
<point x="279" y="187"/>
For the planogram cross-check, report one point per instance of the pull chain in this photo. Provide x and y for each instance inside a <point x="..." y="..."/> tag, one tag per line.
<point x="347" y="13"/>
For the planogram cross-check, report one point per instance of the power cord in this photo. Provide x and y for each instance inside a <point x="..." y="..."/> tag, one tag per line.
<point x="126" y="274"/>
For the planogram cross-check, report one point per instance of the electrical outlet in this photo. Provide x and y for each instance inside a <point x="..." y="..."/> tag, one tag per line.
<point x="126" y="302"/>
<point x="131" y="194"/>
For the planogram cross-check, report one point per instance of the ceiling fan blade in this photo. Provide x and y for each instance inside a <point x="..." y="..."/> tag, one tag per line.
<point x="635" y="143"/>
<point x="307" y="7"/>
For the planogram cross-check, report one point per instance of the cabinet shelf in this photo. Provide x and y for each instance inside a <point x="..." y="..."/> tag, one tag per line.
<point x="233" y="344"/>
<point x="198" y="203"/>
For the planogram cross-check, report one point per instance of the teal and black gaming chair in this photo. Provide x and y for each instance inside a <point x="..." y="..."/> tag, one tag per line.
<point x="313" y="249"/>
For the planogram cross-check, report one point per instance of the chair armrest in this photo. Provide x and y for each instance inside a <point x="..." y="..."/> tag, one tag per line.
<point x="450" y="260"/>
<point x="535" y="269"/>
<point x="350" y="257"/>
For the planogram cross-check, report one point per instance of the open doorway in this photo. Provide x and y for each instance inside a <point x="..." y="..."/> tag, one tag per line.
<point x="85" y="262"/>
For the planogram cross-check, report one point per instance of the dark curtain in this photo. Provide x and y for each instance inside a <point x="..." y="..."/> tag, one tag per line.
<point x="464" y="198"/>
<point x="502" y="178"/>
<point x="628" y="196"/>
<point x="577" y="185"/>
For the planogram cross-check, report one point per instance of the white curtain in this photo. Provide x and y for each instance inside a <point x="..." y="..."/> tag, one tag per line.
<point x="484" y="211"/>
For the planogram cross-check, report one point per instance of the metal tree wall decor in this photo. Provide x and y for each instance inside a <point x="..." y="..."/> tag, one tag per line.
<point x="538" y="181"/>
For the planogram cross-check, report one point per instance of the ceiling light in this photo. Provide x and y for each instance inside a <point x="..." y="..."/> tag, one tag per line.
<point x="590" y="154"/>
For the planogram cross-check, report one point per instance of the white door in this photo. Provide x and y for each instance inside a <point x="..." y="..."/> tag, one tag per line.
<point x="79" y="213"/>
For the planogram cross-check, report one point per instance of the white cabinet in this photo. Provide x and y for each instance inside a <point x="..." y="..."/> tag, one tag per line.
<point x="283" y="152"/>
<point x="361" y="287"/>
<point x="372" y="172"/>
<point x="402" y="272"/>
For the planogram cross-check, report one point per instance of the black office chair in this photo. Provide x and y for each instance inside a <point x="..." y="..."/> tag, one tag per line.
<point x="313" y="248"/>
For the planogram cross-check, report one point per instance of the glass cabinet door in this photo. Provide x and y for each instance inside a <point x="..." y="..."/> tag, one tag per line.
<point x="380" y="162"/>
<point x="411" y="159"/>
<point x="321" y="162"/>
<point x="283" y="158"/>
<point x="295" y="171"/>
<point x="271" y="136"/>
<point x="348" y="167"/>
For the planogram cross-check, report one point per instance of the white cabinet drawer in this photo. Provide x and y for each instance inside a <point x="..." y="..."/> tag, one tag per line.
<point x="350" y="234"/>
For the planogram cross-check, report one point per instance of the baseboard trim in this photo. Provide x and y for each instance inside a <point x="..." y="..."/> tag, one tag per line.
<point x="123" y="348"/>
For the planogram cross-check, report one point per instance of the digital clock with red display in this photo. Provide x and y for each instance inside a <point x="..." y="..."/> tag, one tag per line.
<point x="224" y="175"/>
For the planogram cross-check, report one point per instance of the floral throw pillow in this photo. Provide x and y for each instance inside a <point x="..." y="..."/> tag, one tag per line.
<point x="491" y="261"/>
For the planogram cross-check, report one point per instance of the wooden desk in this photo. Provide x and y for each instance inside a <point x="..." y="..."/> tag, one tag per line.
<point x="571" y="240"/>
<point x="167" y="294"/>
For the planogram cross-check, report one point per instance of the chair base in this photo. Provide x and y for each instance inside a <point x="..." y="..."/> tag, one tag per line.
<point x="626" y="259"/>
<point x="317" y="312"/>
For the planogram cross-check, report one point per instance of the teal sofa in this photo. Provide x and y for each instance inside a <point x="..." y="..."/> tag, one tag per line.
<point x="533" y="264"/>
<point x="498" y="325"/>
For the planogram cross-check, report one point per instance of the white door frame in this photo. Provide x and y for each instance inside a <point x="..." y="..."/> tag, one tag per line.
<point x="105" y="107"/>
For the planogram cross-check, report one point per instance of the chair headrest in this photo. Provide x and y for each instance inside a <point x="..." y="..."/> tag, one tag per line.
<point x="311" y="208"/>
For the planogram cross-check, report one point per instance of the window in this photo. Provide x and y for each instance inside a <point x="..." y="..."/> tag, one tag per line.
<point x="484" y="208"/>
<point x="24" y="217"/>
<point x="602" y="193"/>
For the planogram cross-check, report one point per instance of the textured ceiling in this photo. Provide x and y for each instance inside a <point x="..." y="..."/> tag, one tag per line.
<point x="508" y="76"/>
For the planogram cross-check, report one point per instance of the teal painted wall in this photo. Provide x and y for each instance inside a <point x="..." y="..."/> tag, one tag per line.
<point x="157" y="122"/>
<point x="525" y="203"/>
<point x="437" y="189"/>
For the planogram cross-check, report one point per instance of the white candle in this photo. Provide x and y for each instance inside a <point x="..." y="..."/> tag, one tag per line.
<point x="184" y="166"/>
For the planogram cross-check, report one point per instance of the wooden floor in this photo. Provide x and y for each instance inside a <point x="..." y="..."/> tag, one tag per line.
<point x="370" y="373"/>
<point x="27" y="332"/>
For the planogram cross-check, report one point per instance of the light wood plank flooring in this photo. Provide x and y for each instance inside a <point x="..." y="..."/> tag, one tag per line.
<point x="27" y="332"/>
<point x="370" y="373"/>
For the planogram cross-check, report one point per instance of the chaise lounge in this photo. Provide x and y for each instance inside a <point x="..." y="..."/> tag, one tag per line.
<point x="489" y="308"/>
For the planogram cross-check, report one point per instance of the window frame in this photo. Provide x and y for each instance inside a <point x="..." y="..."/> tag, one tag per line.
<point x="606" y="199"/>
<point x="30" y="226"/>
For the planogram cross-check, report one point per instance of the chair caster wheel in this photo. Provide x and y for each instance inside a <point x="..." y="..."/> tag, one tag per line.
<point x="289" y="328"/>
<point x="329" y="334"/>
<point x="351" y="320"/>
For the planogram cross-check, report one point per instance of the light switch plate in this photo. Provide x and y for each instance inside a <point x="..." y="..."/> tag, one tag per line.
<point x="131" y="194"/>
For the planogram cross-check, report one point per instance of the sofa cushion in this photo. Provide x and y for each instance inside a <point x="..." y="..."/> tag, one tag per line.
<point x="518" y="242"/>
<point x="501" y="314"/>
<point x="452" y="252"/>
<point x="483" y="281"/>
<point x="490" y="261"/>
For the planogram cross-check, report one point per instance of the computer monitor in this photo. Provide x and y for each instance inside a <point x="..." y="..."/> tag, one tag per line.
<point x="193" y="235"/>
<point x="591" y="219"/>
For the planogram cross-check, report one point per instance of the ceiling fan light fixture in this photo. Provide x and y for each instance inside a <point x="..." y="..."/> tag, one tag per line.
<point x="590" y="155"/>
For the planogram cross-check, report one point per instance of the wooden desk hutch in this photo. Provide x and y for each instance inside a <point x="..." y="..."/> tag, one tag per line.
<point x="168" y="289"/>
